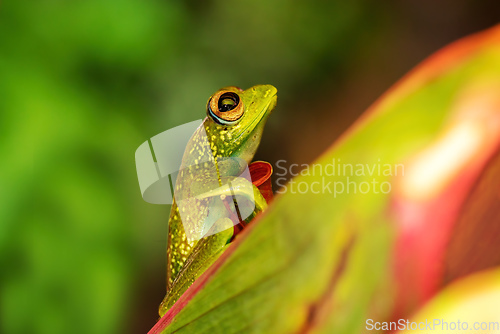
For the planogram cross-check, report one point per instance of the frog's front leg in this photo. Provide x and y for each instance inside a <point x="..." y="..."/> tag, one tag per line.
<point x="239" y="186"/>
<point x="242" y="199"/>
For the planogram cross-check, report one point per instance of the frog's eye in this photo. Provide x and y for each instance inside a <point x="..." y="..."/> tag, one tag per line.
<point x="225" y="107"/>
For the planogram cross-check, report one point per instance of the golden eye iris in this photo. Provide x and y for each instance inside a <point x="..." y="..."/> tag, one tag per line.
<point x="225" y="107"/>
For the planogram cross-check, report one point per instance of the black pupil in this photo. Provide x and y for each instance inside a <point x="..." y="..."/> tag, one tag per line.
<point x="228" y="101"/>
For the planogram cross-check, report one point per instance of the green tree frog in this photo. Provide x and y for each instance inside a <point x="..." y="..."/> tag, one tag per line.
<point x="203" y="214"/>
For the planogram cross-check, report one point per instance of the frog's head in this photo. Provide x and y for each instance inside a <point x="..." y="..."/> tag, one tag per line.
<point x="236" y="119"/>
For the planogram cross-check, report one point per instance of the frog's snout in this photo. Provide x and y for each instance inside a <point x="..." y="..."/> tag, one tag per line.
<point x="273" y="102"/>
<point x="274" y="99"/>
<point x="269" y="92"/>
<point x="264" y="91"/>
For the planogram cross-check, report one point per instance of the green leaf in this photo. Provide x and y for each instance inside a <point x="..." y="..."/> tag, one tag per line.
<point x="325" y="260"/>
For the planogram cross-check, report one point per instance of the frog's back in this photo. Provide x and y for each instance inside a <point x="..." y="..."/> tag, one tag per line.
<point x="197" y="174"/>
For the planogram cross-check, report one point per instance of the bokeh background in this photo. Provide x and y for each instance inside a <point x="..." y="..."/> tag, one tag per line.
<point x="84" y="83"/>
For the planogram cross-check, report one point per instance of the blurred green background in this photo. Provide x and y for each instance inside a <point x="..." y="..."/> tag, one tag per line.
<point x="84" y="83"/>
